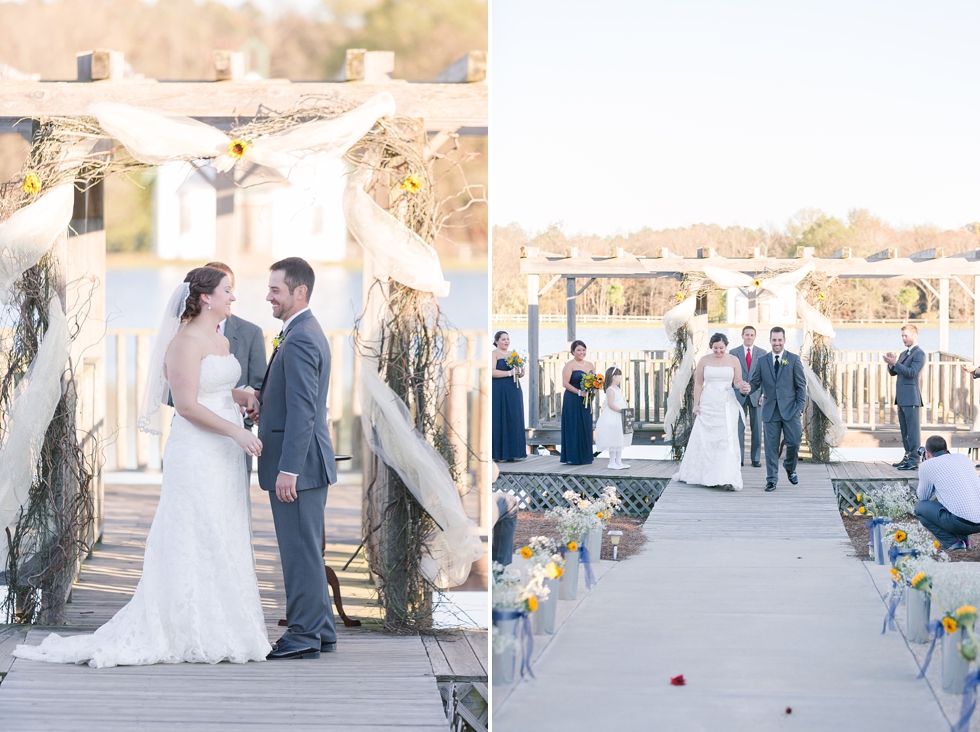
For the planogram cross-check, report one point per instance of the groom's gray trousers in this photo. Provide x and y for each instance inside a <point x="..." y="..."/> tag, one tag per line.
<point x="791" y="432"/>
<point x="299" y="529"/>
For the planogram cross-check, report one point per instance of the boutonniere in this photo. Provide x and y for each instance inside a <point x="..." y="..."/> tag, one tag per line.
<point x="277" y="341"/>
<point x="784" y="362"/>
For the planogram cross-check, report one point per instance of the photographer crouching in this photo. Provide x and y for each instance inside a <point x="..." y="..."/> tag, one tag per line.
<point x="953" y="516"/>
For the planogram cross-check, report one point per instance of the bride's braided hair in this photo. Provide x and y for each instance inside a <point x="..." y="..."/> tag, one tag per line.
<point x="202" y="281"/>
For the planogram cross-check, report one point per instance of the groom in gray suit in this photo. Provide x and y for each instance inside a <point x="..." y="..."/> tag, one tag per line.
<point x="297" y="461"/>
<point x="783" y="383"/>
<point x="749" y="355"/>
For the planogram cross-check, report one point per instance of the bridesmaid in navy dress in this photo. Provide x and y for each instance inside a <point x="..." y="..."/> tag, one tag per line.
<point x="576" y="420"/>
<point x="508" y="404"/>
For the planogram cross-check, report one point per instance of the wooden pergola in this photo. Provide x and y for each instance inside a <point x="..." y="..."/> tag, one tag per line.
<point x="962" y="268"/>
<point x="455" y="102"/>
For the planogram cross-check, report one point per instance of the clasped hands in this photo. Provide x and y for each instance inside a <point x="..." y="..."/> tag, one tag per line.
<point x="745" y="388"/>
<point x="890" y="358"/>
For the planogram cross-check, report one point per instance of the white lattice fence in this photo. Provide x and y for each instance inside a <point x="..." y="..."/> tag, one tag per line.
<point x="848" y="488"/>
<point x="541" y="491"/>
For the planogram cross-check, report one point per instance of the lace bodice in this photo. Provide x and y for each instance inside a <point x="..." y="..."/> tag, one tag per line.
<point x="219" y="375"/>
<point x="719" y="374"/>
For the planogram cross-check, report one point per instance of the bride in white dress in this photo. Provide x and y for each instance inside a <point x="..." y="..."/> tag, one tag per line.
<point x="712" y="456"/>
<point x="198" y="598"/>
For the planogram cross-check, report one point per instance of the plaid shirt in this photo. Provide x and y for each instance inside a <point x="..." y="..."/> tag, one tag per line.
<point x="956" y="483"/>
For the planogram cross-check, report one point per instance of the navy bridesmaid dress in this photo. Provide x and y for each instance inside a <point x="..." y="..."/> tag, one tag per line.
<point x="576" y="426"/>
<point x="508" y="417"/>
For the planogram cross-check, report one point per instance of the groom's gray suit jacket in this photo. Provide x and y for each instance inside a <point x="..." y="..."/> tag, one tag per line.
<point x="293" y="414"/>
<point x="788" y="391"/>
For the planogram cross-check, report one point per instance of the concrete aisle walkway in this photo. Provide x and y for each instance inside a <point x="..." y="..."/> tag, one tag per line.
<point x="758" y="600"/>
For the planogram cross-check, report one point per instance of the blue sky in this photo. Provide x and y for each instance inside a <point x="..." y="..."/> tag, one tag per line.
<point x="614" y="116"/>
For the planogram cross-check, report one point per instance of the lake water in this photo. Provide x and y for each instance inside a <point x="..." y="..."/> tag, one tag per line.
<point x="135" y="298"/>
<point x="653" y="337"/>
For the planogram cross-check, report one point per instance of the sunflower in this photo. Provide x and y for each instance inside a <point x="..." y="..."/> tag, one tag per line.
<point x="573" y="546"/>
<point x="553" y="570"/>
<point x="920" y="581"/>
<point x="32" y="184"/>
<point x="950" y="625"/>
<point x="858" y="497"/>
<point x="238" y="148"/>
<point x="862" y="510"/>
<point x="526" y="552"/>
<point x="821" y="296"/>
<point x="532" y="603"/>
<point x="966" y="615"/>
<point x="935" y="545"/>
<point x="896" y="575"/>
<point x="900" y="536"/>
<point x="756" y="282"/>
<point x="680" y="297"/>
<point x="411" y="183"/>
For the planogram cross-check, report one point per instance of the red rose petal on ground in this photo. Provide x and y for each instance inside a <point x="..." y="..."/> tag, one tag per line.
<point x="678" y="680"/>
<point x="789" y="710"/>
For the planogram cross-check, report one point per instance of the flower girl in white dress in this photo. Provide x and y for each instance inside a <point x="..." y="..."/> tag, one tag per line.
<point x="609" y="433"/>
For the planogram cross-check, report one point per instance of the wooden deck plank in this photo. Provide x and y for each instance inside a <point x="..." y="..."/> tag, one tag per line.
<point x="373" y="682"/>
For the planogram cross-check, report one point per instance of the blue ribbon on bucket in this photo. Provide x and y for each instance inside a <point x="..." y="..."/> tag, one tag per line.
<point x="871" y="523"/>
<point x="969" y="701"/>
<point x="935" y="627"/>
<point x="890" y="614"/>
<point x="526" y="636"/>
<point x="587" y="563"/>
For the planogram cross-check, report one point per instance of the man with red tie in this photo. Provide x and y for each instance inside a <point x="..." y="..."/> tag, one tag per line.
<point x="747" y="354"/>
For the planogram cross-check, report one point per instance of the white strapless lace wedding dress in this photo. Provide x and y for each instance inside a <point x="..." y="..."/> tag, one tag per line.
<point x="198" y="599"/>
<point x="712" y="456"/>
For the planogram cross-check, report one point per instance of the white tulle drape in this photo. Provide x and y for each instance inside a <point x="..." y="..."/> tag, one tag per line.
<point x="396" y="250"/>
<point x="727" y="280"/>
<point x="816" y="322"/>
<point x="390" y="433"/>
<point x="156" y="138"/>
<point x="786" y="279"/>
<point x="30" y="232"/>
<point x="28" y="418"/>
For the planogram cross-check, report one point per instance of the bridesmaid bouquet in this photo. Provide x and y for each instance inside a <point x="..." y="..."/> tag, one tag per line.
<point x="516" y="361"/>
<point x="591" y="383"/>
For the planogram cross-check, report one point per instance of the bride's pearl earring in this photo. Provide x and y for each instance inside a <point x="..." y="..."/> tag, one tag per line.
<point x="209" y="307"/>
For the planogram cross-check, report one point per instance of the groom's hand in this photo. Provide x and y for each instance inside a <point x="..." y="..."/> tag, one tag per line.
<point x="286" y="487"/>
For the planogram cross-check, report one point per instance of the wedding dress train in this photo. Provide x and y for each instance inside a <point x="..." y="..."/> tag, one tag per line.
<point x="198" y="598"/>
<point x="712" y="456"/>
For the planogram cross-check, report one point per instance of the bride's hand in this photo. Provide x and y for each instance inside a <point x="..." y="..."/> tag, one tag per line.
<point x="249" y="442"/>
<point x="252" y="408"/>
<point x="697" y="410"/>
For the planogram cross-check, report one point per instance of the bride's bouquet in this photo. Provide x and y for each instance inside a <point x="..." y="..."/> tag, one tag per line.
<point x="516" y="361"/>
<point x="591" y="383"/>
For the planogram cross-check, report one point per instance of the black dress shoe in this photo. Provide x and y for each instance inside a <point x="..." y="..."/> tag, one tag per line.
<point x="792" y="478"/>
<point x="770" y="487"/>
<point x="908" y="466"/>
<point x="756" y="464"/>
<point x="901" y="462"/>
<point x="284" y="649"/>
<point x="328" y="647"/>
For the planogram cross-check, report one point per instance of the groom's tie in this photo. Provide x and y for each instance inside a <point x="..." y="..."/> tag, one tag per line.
<point x="776" y="365"/>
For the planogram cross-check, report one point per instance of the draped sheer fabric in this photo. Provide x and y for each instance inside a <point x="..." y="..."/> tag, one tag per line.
<point x="157" y="390"/>
<point x="28" y="418"/>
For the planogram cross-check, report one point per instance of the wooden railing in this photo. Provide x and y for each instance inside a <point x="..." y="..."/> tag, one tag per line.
<point x="865" y="390"/>
<point x="465" y="386"/>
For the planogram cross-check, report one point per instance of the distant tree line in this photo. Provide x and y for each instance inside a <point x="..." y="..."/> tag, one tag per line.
<point x="852" y="299"/>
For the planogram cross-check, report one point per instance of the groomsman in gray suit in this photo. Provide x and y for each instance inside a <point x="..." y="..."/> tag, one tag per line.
<point x="907" y="366"/>
<point x="297" y="461"/>
<point x="749" y="354"/>
<point x="780" y="376"/>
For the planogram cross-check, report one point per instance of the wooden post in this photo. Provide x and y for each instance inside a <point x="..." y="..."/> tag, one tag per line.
<point x="228" y="65"/>
<point x="944" y="314"/>
<point x="122" y="404"/>
<point x="142" y="373"/>
<point x="570" y="310"/>
<point x="373" y="67"/>
<point x="100" y="65"/>
<point x="86" y="259"/>
<point x="482" y="436"/>
<point x="227" y="244"/>
<point x="976" y="352"/>
<point x="533" y="385"/>
<point x="458" y="388"/>
<point x="336" y="388"/>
